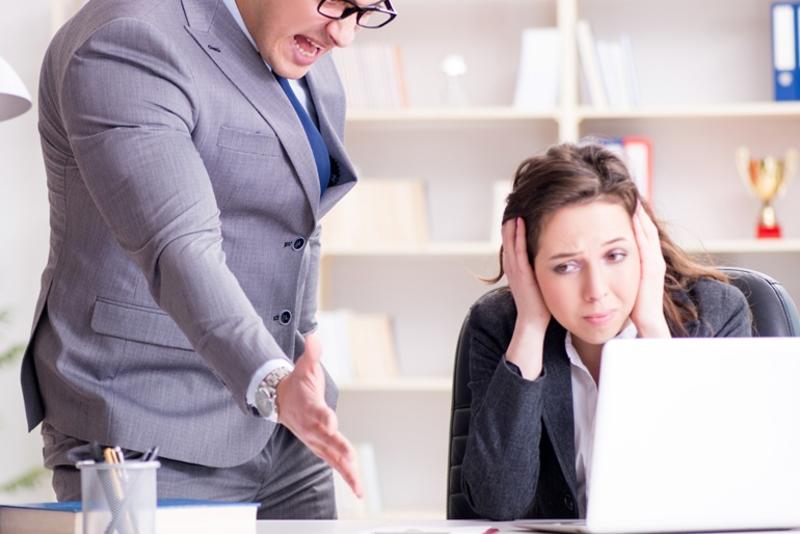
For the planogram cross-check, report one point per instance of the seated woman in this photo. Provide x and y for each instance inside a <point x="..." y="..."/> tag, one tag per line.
<point x="585" y="262"/>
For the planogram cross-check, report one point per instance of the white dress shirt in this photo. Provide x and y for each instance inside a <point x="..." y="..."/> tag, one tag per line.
<point x="584" y="403"/>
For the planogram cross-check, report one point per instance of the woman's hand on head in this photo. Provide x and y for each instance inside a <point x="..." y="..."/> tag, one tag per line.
<point x="648" y="310"/>
<point x="525" y="349"/>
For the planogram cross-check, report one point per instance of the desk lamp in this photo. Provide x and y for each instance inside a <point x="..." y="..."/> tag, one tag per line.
<point x="14" y="98"/>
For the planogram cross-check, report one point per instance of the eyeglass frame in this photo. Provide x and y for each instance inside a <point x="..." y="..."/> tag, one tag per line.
<point x="360" y="11"/>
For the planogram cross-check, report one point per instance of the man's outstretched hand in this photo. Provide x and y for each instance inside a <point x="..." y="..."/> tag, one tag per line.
<point x="302" y="409"/>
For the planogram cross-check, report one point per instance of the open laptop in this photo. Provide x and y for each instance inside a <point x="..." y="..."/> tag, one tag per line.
<point x="694" y="435"/>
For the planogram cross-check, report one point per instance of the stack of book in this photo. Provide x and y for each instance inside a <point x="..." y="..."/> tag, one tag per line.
<point x="372" y="75"/>
<point x="174" y="515"/>
<point x="609" y="72"/>
<point x="637" y="153"/>
<point x="358" y="347"/>
<point x="379" y="214"/>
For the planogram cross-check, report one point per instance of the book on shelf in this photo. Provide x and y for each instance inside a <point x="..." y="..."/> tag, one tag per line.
<point x="357" y="347"/>
<point x="631" y="75"/>
<point x="172" y="515"/>
<point x="539" y="73"/>
<point x="785" y="49"/>
<point x="637" y="153"/>
<point x="617" y="73"/>
<point x="500" y="191"/>
<point x="609" y="76"/>
<point x="379" y="213"/>
<point x="373" y="75"/>
<point x="590" y="65"/>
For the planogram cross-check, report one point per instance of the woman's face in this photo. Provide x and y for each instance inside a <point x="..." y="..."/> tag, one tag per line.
<point x="587" y="267"/>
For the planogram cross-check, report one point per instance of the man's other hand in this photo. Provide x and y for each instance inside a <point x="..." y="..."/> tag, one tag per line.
<point x="302" y="409"/>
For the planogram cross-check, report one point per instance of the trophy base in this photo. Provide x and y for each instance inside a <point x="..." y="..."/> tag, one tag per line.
<point x="768" y="232"/>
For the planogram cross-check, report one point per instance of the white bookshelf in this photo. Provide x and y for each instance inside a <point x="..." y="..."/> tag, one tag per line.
<point x="706" y="89"/>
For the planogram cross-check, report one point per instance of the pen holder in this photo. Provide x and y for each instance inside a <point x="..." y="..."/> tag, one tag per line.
<point x="118" y="498"/>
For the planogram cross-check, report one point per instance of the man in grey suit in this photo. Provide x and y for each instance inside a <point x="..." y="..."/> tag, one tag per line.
<point x="187" y="178"/>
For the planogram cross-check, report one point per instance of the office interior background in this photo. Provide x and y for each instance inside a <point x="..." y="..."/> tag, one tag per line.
<point x="467" y="91"/>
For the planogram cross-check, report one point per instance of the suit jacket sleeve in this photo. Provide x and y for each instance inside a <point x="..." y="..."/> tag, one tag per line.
<point x="501" y="462"/>
<point x="308" y="319"/>
<point x="129" y="108"/>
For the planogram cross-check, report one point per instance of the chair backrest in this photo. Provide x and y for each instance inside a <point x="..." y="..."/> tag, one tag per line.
<point x="774" y="314"/>
<point x="457" y="505"/>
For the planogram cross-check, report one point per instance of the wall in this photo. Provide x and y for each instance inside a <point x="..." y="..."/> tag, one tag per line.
<point x="24" y="33"/>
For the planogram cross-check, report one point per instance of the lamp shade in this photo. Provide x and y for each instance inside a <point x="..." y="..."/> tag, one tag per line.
<point x="14" y="98"/>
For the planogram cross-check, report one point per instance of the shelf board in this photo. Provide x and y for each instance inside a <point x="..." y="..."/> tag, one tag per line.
<point x="745" y="246"/>
<point x="488" y="249"/>
<point x="450" y="248"/>
<point x="497" y="113"/>
<point x="725" y="111"/>
<point x="399" y="385"/>
<point x="508" y="113"/>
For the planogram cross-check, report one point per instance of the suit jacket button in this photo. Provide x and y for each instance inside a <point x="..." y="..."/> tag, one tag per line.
<point x="298" y="243"/>
<point x="285" y="317"/>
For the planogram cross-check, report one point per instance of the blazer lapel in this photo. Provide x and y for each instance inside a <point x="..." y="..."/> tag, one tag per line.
<point x="215" y="30"/>
<point x="321" y="79"/>
<point x="558" y="415"/>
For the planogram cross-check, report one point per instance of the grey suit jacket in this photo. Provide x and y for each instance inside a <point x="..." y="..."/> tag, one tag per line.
<point x="184" y="216"/>
<point x="519" y="460"/>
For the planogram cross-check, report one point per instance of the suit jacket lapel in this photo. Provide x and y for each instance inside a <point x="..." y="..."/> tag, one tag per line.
<point x="558" y="410"/>
<point x="321" y="79"/>
<point x="215" y="30"/>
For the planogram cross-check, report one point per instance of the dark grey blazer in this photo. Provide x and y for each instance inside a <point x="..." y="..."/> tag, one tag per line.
<point x="185" y="228"/>
<point x="520" y="453"/>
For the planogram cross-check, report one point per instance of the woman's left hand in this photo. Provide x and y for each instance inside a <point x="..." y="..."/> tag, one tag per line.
<point x="648" y="310"/>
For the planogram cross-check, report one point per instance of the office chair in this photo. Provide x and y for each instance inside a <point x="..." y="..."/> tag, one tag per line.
<point x="774" y="314"/>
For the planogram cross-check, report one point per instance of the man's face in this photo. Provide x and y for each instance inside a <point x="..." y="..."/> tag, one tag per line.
<point x="291" y="35"/>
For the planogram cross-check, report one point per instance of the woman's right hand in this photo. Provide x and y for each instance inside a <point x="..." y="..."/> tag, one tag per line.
<point x="525" y="349"/>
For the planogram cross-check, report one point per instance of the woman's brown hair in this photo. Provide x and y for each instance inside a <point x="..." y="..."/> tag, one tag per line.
<point x="569" y="174"/>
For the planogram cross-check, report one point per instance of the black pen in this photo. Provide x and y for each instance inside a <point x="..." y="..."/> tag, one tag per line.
<point x="150" y="455"/>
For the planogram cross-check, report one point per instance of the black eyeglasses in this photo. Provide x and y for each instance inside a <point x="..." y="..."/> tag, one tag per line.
<point x="372" y="16"/>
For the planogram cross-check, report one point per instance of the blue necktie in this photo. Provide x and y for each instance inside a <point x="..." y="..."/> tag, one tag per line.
<point x="321" y="155"/>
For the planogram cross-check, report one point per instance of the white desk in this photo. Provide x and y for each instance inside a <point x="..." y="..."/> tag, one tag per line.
<point x="366" y="527"/>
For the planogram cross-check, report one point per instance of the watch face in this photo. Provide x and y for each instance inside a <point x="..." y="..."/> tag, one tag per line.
<point x="264" y="403"/>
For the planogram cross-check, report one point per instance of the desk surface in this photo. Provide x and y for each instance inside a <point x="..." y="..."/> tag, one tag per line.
<point x="368" y="527"/>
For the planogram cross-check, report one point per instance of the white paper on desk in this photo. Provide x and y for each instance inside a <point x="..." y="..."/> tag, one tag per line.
<point x="400" y="529"/>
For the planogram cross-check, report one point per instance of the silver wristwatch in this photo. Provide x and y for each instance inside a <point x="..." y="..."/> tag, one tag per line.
<point x="266" y="397"/>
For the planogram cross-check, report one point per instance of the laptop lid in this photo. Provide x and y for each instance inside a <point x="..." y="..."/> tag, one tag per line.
<point x="696" y="434"/>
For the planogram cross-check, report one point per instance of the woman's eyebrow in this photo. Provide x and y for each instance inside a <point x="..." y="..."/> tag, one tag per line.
<point x="615" y="240"/>
<point x="564" y="255"/>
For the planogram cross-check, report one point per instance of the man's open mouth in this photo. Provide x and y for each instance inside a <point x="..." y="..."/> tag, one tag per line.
<point x="306" y="46"/>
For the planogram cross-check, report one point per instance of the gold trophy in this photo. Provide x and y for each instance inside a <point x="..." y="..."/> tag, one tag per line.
<point x="767" y="178"/>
